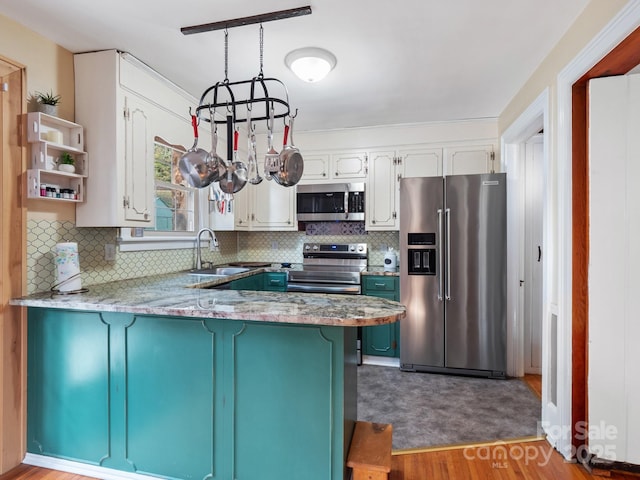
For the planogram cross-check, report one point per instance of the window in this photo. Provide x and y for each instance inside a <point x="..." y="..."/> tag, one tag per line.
<point x="179" y="208"/>
<point x="174" y="201"/>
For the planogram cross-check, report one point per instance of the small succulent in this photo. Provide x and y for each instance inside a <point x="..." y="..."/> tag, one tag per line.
<point x="66" y="159"/>
<point x="47" y="98"/>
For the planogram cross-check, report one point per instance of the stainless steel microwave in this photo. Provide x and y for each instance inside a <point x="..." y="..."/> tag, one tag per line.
<point x="330" y="202"/>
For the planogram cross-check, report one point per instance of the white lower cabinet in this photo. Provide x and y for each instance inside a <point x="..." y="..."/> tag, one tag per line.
<point x="266" y="206"/>
<point x="387" y="167"/>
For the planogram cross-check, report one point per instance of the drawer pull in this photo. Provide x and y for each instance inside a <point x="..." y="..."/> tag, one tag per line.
<point x="379" y="284"/>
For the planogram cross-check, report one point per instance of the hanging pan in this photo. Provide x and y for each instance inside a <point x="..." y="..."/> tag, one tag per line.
<point x="291" y="163"/>
<point x="195" y="164"/>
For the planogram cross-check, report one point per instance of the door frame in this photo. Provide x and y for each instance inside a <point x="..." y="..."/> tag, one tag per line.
<point x="530" y="122"/>
<point x="12" y="266"/>
<point x="614" y="51"/>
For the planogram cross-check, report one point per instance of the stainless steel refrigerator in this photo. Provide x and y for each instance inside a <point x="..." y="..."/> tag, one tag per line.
<point x="453" y="274"/>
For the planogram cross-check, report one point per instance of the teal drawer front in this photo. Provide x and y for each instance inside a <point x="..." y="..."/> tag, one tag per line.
<point x="254" y="282"/>
<point x="379" y="283"/>
<point x="275" y="281"/>
<point x="381" y="340"/>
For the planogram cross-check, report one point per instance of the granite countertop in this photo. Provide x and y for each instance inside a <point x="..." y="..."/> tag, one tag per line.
<point x="379" y="270"/>
<point x="181" y="294"/>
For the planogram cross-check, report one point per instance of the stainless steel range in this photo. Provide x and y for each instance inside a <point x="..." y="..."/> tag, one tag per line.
<point x="330" y="268"/>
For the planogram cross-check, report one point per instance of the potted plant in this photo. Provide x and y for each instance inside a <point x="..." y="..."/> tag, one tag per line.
<point x="48" y="102"/>
<point x="66" y="163"/>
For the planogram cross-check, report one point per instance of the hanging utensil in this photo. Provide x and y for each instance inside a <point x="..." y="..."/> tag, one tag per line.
<point x="291" y="163"/>
<point x="236" y="177"/>
<point x="252" y="161"/>
<point x="217" y="163"/>
<point x="195" y="164"/>
<point x="271" y="158"/>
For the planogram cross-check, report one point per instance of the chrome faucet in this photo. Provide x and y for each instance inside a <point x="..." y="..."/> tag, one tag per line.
<point x="198" y="250"/>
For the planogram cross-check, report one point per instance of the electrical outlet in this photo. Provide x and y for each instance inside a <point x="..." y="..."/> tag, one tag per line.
<point x="383" y="247"/>
<point x="274" y="245"/>
<point x="109" y="252"/>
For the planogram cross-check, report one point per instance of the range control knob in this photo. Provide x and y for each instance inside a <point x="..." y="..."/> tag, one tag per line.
<point x="315" y="247"/>
<point x="352" y="248"/>
<point x="361" y="248"/>
<point x="307" y="247"/>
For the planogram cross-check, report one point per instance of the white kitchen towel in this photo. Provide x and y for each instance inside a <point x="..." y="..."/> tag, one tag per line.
<point x="67" y="267"/>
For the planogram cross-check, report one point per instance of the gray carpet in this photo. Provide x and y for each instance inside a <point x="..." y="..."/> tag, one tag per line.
<point x="430" y="409"/>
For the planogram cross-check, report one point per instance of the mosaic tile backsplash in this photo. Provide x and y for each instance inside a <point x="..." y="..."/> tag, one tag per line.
<point x="42" y="236"/>
<point x="278" y="247"/>
<point x="274" y="247"/>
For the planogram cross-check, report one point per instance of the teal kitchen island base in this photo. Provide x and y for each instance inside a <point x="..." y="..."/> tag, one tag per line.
<point x="191" y="398"/>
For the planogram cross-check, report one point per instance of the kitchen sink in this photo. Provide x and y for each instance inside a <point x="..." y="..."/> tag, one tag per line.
<point x="219" y="272"/>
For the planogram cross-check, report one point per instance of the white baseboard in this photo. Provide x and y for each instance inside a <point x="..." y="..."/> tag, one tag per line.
<point x="381" y="361"/>
<point x="82" y="468"/>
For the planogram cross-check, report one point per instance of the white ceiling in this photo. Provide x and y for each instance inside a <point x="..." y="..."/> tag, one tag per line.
<point x="399" y="62"/>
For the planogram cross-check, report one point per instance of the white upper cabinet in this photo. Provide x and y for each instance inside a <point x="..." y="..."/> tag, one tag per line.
<point x="323" y="167"/>
<point x="138" y="194"/>
<point x="380" y="198"/>
<point x="468" y="159"/>
<point x="419" y="162"/>
<point x="119" y="128"/>
<point x="387" y="167"/>
<point x="316" y="167"/>
<point x="266" y="206"/>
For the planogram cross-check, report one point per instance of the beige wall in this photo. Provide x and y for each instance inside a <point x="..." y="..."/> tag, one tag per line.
<point x="48" y="67"/>
<point x="590" y="22"/>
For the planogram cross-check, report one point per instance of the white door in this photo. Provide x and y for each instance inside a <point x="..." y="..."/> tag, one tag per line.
<point x="381" y="207"/>
<point x="422" y="162"/>
<point x="614" y="268"/>
<point x="345" y="165"/>
<point x="533" y="251"/>
<point x="273" y="206"/>
<point x="138" y="177"/>
<point x="468" y="159"/>
<point x="316" y="167"/>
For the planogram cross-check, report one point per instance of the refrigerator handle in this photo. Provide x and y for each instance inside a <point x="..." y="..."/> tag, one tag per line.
<point x="448" y="223"/>
<point x="439" y="271"/>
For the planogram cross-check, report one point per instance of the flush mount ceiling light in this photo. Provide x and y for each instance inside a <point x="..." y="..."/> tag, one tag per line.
<point x="311" y="64"/>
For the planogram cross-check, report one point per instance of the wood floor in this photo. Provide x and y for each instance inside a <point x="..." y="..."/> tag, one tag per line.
<point x="524" y="460"/>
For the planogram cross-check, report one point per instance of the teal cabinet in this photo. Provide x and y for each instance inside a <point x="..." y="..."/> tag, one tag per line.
<point x="267" y="281"/>
<point x="275" y="281"/>
<point x="253" y="282"/>
<point x="381" y="340"/>
<point x="188" y="398"/>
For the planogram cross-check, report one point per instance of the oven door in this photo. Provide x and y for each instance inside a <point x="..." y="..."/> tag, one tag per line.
<point x="318" y="279"/>
<point x="311" y="287"/>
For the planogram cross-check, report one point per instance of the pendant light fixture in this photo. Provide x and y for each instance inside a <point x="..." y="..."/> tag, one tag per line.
<point x="310" y="64"/>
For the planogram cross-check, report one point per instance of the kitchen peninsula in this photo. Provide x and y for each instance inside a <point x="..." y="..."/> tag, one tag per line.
<point x="149" y="377"/>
